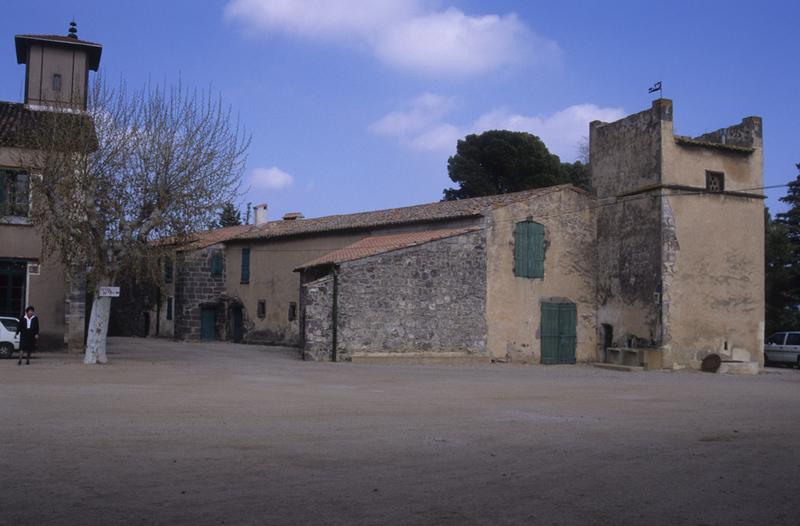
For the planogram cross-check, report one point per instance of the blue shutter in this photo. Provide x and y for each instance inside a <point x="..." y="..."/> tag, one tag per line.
<point x="245" y="265"/>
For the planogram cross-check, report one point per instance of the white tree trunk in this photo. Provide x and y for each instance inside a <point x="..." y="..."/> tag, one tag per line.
<point x="98" y="329"/>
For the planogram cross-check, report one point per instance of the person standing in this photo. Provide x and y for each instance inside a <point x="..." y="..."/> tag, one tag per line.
<point x="28" y="330"/>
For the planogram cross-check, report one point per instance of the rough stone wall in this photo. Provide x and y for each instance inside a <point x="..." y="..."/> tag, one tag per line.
<point x="425" y="299"/>
<point x="513" y="305"/>
<point x="317" y="301"/>
<point x="747" y="133"/>
<point x="626" y="163"/>
<point x="196" y="286"/>
<point x="626" y="155"/>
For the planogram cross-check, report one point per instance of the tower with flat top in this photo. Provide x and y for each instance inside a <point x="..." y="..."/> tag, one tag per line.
<point x="680" y="238"/>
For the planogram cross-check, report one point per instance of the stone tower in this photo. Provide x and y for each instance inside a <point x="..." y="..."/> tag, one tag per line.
<point x="57" y="68"/>
<point x="680" y="238"/>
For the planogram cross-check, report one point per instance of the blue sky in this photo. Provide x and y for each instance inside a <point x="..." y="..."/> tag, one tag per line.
<point x="357" y="104"/>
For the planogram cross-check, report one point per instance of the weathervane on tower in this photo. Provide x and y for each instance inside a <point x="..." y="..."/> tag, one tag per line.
<point x="656" y="87"/>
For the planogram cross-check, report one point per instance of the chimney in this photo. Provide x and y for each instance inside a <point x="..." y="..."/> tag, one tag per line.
<point x="291" y="216"/>
<point x="260" y="214"/>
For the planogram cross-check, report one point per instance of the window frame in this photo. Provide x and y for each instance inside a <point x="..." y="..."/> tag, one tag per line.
<point x="712" y="175"/>
<point x="57" y="82"/>
<point x="216" y="263"/>
<point x="170" y="308"/>
<point x="261" y="309"/>
<point x="13" y="201"/>
<point x="245" y="270"/>
<point x="292" y="314"/>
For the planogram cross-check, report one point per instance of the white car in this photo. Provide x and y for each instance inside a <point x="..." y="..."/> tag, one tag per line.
<point x="9" y="342"/>
<point x="783" y="348"/>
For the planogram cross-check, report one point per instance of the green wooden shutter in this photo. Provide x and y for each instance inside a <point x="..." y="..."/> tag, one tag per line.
<point x="245" y="265"/>
<point x="567" y="332"/>
<point x="529" y="250"/>
<point x="535" y="250"/>
<point x="521" y="250"/>
<point x="549" y="333"/>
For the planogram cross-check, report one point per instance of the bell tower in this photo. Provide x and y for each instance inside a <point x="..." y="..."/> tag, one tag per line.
<point x="57" y="68"/>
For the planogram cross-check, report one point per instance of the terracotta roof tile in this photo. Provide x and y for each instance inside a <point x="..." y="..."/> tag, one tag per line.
<point x="17" y="122"/>
<point x="375" y="245"/>
<point x="212" y="237"/>
<point x="439" y="211"/>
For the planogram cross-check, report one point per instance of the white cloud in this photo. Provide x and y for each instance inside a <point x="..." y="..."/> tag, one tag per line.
<point x="429" y="131"/>
<point x="270" y="178"/>
<point x="560" y="131"/>
<point x="407" y="34"/>
<point x="423" y="111"/>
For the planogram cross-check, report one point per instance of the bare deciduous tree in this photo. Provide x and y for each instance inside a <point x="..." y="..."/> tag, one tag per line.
<point x="137" y="167"/>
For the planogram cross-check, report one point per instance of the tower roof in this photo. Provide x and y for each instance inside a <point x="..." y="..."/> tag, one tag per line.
<point x="93" y="50"/>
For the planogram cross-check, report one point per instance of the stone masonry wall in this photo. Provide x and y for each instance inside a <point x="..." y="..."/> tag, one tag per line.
<point x="196" y="286"/>
<point x="317" y="304"/>
<point x="425" y="299"/>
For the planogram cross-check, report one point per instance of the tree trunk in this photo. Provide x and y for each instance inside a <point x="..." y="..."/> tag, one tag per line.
<point x="98" y="329"/>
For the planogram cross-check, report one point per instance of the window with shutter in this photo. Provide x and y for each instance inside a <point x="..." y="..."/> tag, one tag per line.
<point x="245" y="265"/>
<point x="529" y="250"/>
<point x="168" y="270"/>
<point x="216" y="263"/>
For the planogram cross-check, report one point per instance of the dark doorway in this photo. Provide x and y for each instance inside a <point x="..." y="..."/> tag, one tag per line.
<point x="608" y="339"/>
<point x="237" y="325"/>
<point x="12" y="287"/>
<point x="558" y="332"/>
<point x="208" y="323"/>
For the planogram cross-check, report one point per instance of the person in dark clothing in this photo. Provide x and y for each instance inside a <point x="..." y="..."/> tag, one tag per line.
<point x="28" y="330"/>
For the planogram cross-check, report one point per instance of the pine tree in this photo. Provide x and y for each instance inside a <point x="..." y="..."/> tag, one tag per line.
<point x="229" y="215"/>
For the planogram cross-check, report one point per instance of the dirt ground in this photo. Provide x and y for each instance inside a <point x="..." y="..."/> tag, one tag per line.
<point x="177" y="433"/>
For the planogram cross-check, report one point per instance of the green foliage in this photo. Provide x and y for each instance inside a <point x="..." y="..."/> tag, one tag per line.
<point x="576" y="174"/>
<point x="499" y="162"/>
<point x="782" y="264"/>
<point x="229" y="215"/>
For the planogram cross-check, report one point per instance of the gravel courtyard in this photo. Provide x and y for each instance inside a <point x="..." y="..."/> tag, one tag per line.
<point x="178" y="433"/>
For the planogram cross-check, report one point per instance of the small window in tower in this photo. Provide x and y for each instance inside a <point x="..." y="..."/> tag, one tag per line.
<point x="292" y="311"/>
<point x="169" y="307"/>
<point x="56" y="82"/>
<point x="261" y="312"/>
<point x="715" y="181"/>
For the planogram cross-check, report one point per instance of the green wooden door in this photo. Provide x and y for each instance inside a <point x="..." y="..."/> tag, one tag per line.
<point x="558" y="332"/>
<point x="208" y="321"/>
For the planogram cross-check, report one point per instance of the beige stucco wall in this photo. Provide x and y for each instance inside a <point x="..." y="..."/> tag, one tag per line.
<point x="513" y="304"/>
<point x="714" y="279"/>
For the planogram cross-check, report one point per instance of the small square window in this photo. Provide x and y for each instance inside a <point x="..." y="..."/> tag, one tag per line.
<point x="261" y="311"/>
<point x="56" y="82"/>
<point x="715" y="181"/>
<point x="292" y="311"/>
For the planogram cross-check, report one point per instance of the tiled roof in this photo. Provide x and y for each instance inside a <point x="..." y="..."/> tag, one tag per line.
<point x="17" y="123"/>
<point x="200" y="240"/>
<point x="375" y="245"/>
<point x="439" y="211"/>
<point x="93" y="49"/>
<point x="688" y="141"/>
